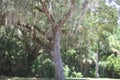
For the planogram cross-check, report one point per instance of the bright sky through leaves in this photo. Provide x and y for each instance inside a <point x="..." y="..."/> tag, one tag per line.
<point x="113" y="3"/>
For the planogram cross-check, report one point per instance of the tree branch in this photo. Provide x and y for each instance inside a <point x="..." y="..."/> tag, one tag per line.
<point x="47" y="13"/>
<point x="62" y="21"/>
<point x="44" y="45"/>
<point x="39" y="9"/>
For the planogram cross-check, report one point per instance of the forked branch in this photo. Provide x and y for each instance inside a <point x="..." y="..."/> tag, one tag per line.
<point x="47" y="13"/>
<point x="62" y="21"/>
<point x="50" y="17"/>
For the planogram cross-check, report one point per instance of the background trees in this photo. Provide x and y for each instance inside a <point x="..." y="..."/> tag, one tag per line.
<point x="26" y="38"/>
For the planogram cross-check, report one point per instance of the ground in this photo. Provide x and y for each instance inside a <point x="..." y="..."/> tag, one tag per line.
<point x="18" y="78"/>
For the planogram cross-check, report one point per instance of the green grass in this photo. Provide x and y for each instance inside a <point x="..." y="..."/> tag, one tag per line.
<point x="19" y="78"/>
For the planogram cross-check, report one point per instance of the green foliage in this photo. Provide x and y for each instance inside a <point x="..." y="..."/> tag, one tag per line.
<point x="14" y="60"/>
<point x="42" y="67"/>
<point x="98" y="31"/>
<point x="103" y="68"/>
<point x="113" y="66"/>
<point x="66" y="70"/>
<point x="77" y="75"/>
<point x="68" y="73"/>
<point x="71" y="67"/>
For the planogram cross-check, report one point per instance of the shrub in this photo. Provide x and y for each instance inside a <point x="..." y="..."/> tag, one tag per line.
<point x="113" y="66"/>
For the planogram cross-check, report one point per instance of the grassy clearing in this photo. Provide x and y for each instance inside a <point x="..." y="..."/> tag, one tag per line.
<point x="91" y="79"/>
<point x="19" y="78"/>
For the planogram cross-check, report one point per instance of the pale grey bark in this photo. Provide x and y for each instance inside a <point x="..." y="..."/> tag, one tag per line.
<point x="56" y="57"/>
<point x="97" y="73"/>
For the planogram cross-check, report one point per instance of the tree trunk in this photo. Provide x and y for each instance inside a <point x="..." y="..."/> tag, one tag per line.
<point x="56" y="57"/>
<point x="97" y="73"/>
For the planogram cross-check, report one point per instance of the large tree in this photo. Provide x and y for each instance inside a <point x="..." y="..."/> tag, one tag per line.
<point x="53" y="14"/>
<point x="56" y="29"/>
